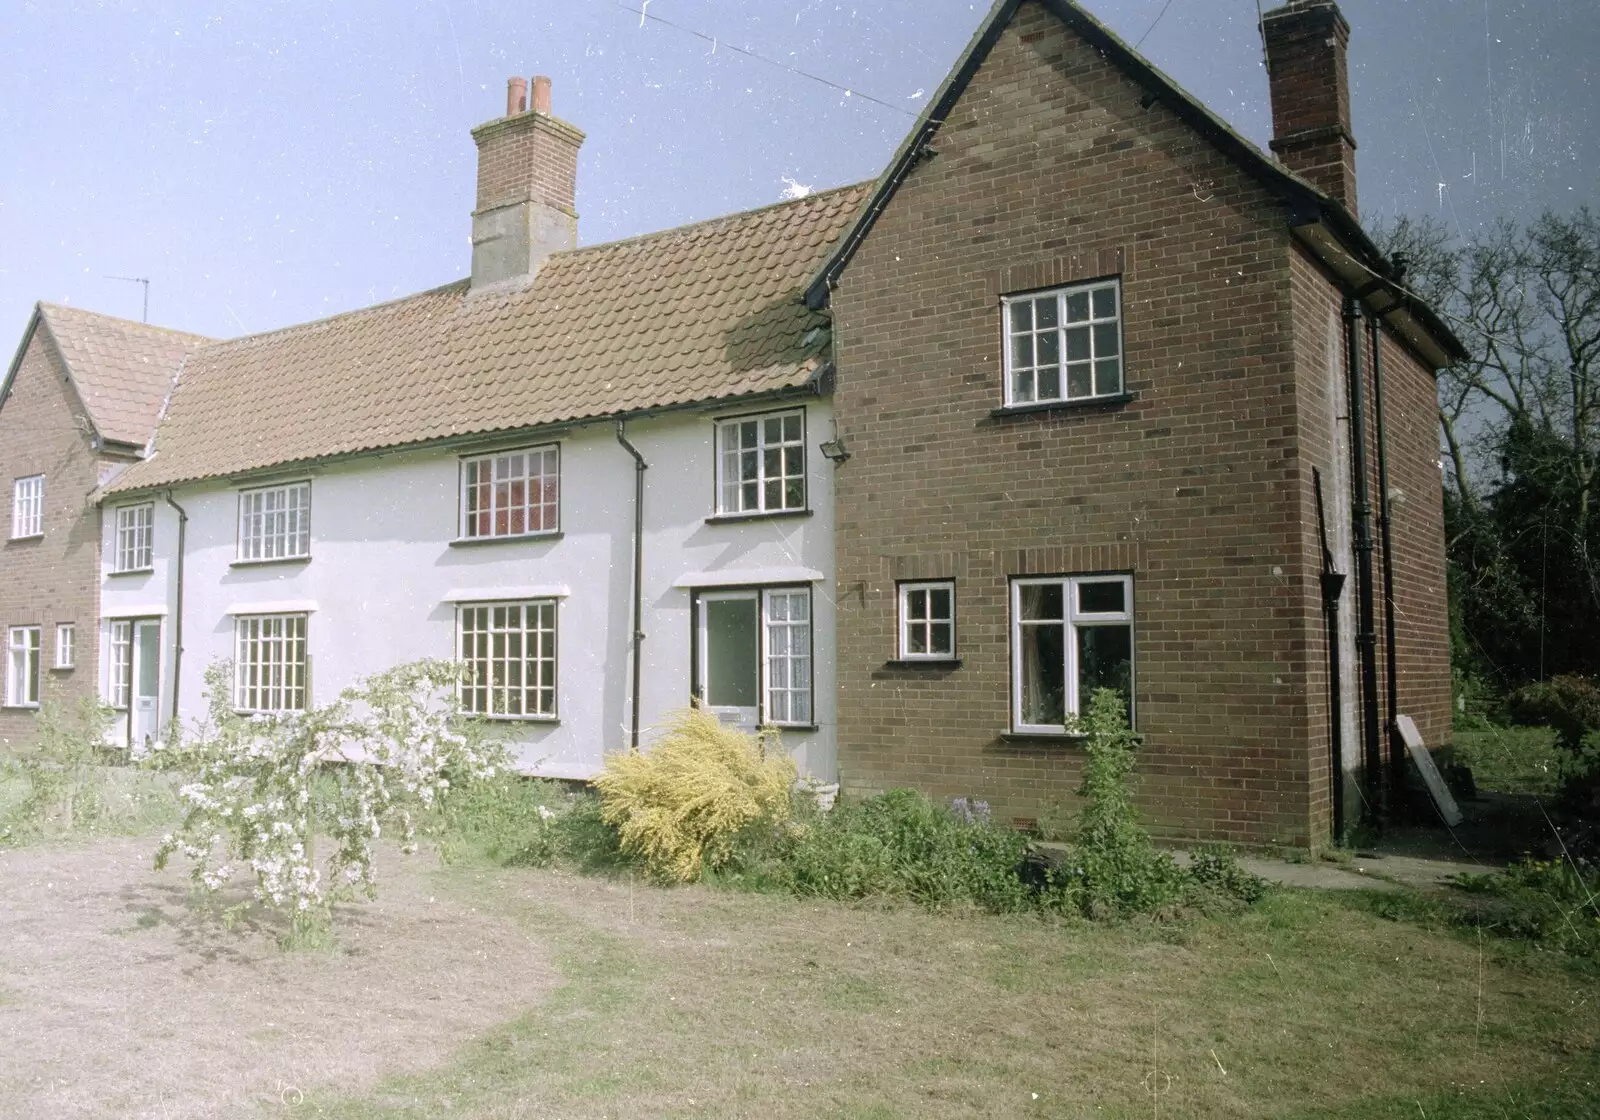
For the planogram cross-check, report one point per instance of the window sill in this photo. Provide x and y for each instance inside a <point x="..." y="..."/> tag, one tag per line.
<point x="544" y="721"/>
<point x="131" y="572"/>
<point x="924" y="663"/>
<point x="269" y="562"/>
<point x="795" y="726"/>
<point x="1044" y="738"/>
<point x="19" y="707"/>
<point x="758" y="515"/>
<point x="61" y="668"/>
<point x="473" y="542"/>
<point x="24" y="540"/>
<point x="1088" y="403"/>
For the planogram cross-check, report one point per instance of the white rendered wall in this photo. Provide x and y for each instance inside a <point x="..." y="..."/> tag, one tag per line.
<point x="382" y="566"/>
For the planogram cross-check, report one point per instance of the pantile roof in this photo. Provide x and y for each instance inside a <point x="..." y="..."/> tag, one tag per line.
<point x="122" y="370"/>
<point x="697" y="313"/>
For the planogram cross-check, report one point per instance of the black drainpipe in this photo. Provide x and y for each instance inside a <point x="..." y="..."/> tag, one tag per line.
<point x="1332" y="590"/>
<point x="177" y="607"/>
<point x="639" y="467"/>
<point x="1396" y="751"/>
<point x="1366" y="636"/>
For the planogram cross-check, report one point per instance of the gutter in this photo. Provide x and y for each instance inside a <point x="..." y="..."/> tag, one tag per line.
<point x="177" y="607"/>
<point x="639" y="467"/>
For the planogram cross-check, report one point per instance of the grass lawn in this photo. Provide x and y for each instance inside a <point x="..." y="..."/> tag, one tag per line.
<point x="1512" y="759"/>
<point x="507" y="993"/>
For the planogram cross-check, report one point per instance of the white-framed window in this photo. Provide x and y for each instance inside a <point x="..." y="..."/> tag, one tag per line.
<point x="22" y="667"/>
<point x="761" y="463"/>
<point x="27" y="507"/>
<point x="511" y="493"/>
<point x="1070" y="635"/>
<point x="510" y="650"/>
<point x="270" y="663"/>
<point x="928" y="620"/>
<point x="135" y="531"/>
<point x="754" y="663"/>
<point x="66" y="645"/>
<point x="1063" y="345"/>
<point x="120" y="666"/>
<point x="275" y="522"/>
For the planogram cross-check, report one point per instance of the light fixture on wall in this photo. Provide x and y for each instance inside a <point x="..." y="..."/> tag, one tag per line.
<point x="834" y="449"/>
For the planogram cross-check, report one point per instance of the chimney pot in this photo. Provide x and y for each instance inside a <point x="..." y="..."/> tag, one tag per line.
<point x="541" y="94"/>
<point x="516" y="96"/>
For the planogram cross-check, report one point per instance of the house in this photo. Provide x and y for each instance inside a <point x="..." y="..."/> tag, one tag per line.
<point x="78" y="402"/>
<point x="1126" y="399"/>
<point x="1084" y="391"/>
<point x="593" y="474"/>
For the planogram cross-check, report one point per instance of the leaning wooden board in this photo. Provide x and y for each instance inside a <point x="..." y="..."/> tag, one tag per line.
<point x="1430" y="773"/>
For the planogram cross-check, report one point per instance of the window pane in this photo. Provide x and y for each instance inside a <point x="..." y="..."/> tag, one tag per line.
<point x="1041" y="601"/>
<point x="916" y="638"/>
<point x="940" y="598"/>
<point x="1021" y="316"/>
<point x="732" y="652"/>
<point x="1050" y="349"/>
<point x="1078" y="380"/>
<point x="791" y="427"/>
<point x="1045" y="310"/>
<point x="1105" y="303"/>
<point x="1108" y="376"/>
<point x="1050" y="383"/>
<point x="1105" y="340"/>
<point x="1104" y="597"/>
<point x="1077" y="307"/>
<point x="1042" y="664"/>
<point x="1022" y="351"/>
<point x="1078" y="344"/>
<point x="917" y="603"/>
<point x="939" y="641"/>
<point x="1105" y="660"/>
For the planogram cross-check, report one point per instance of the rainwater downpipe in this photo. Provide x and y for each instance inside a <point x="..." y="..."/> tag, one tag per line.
<point x="1366" y="636"/>
<point x="177" y="606"/>
<point x="1391" y="678"/>
<point x="639" y="467"/>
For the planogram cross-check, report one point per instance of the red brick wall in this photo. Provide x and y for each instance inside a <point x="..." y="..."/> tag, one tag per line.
<point x="529" y="157"/>
<point x="53" y="579"/>
<point x="1049" y="171"/>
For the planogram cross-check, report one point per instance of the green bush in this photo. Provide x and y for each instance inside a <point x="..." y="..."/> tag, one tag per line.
<point x="901" y="845"/>
<point x="1214" y="871"/>
<point x="1569" y="704"/>
<point x="64" y="776"/>
<point x="1555" y="903"/>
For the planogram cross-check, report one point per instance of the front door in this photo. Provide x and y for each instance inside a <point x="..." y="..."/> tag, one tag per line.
<point x="145" y="693"/>
<point x="730" y="656"/>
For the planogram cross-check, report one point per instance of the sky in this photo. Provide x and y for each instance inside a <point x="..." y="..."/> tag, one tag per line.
<point x="270" y="162"/>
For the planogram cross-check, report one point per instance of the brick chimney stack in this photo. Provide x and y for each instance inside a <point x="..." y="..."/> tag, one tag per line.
<point x="1307" y="42"/>
<point x="527" y="188"/>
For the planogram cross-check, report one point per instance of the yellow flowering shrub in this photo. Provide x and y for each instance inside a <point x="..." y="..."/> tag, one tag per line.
<point x="679" y="805"/>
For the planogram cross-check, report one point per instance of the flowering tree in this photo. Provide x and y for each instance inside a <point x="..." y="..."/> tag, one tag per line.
<point x="260" y="788"/>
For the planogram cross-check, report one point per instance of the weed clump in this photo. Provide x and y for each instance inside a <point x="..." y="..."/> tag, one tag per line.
<point x="680" y="807"/>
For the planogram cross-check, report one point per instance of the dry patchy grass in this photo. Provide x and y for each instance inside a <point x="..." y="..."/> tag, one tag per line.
<point x="508" y="993"/>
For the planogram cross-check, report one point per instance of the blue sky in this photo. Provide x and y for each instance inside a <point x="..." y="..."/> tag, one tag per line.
<point x="270" y="162"/>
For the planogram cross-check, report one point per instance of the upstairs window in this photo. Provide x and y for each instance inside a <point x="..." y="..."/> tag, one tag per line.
<point x="1064" y="345"/>
<point x="513" y="494"/>
<point x="761" y="463"/>
<point x="27" y="507"/>
<point x="135" y="526"/>
<point x="928" y="621"/>
<point x="1070" y="635"/>
<point x="22" y="667"/>
<point x="275" y="523"/>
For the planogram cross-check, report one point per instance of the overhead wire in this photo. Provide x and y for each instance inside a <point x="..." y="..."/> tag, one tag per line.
<point x="1153" y="24"/>
<point x="716" y="43"/>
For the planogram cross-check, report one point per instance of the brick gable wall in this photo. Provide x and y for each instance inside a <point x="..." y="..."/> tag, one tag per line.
<point x="1050" y="171"/>
<point x="54" y="579"/>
